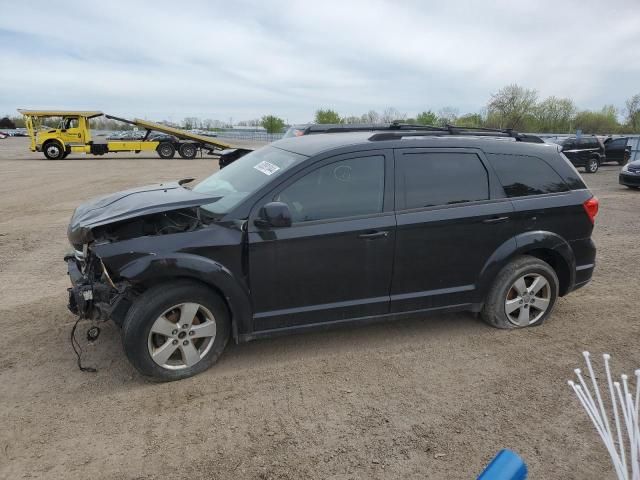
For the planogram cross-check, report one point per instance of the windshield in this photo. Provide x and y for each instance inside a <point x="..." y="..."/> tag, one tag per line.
<point x="237" y="181"/>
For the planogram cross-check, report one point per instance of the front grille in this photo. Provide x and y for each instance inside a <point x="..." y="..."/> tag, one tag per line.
<point x="634" y="169"/>
<point x="630" y="179"/>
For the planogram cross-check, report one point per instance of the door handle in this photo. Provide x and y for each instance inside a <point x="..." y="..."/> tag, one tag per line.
<point x="373" y="235"/>
<point x="495" y="220"/>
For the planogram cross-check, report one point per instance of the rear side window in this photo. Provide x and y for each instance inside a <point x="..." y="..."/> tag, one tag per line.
<point x="432" y="179"/>
<point x="522" y="175"/>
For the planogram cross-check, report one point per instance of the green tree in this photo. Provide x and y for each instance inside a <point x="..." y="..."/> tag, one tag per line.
<point x="633" y="113"/>
<point x="604" y="121"/>
<point x="327" y="116"/>
<point x="6" y="122"/>
<point x="510" y="106"/>
<point x="554" y="115"/>
<point x="472" y="120"/>
<point x="427" y="118"/>
<point x="272" y="124"/>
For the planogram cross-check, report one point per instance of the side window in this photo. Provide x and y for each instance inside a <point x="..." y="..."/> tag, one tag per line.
<point x="341" y="189"/>
<point x="521" y="175"/>
<point x="431" y="179"/>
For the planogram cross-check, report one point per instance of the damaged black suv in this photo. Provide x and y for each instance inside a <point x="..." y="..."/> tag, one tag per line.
<point x="332" y="229"/>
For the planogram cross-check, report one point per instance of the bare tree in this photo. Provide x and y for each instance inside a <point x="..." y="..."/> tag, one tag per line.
<point x="509" y="107"/>
<point x="371" y="117"/>
<point x="447" y="116"/>
<point x="391" y="114"/>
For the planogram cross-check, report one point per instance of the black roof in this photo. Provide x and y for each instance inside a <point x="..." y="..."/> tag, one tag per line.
<point x="310" y="145"/>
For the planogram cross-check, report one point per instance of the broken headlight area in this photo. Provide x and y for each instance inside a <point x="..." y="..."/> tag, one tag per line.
<point x="93" y="294"/>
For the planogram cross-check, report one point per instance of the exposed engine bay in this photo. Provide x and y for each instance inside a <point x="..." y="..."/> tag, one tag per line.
<point x="175" y="221"/>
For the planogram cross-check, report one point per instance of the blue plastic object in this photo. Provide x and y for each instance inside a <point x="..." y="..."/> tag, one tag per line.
<point x="506" y="465"/>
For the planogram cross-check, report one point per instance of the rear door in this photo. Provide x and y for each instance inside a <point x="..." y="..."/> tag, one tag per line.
<point x="452" y="216"/>
<point x="334" y="262"/>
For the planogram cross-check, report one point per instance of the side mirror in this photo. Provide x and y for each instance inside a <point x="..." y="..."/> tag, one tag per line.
<point x="274" y="214"/>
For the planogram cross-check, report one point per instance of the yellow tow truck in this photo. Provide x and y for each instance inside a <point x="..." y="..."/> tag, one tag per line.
<point x="73" y="135"/>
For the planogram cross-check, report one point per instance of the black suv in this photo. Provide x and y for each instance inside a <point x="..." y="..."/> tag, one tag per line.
<point x="331" y="229"/>
<point x="587" y="151"/>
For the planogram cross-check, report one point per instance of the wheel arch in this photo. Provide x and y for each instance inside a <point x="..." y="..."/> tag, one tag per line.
<point x="54" y="140"/>
<point x="152" y="270"/>
<point x="544" y="245"/>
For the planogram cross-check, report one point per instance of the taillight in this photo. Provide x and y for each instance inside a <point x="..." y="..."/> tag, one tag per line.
<point x="591" y="207"/>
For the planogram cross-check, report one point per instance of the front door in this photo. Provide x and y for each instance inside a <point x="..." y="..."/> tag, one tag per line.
<point x="70" y="132"/>
<point x="334" y="263"/>
<point x="452" y="216"/>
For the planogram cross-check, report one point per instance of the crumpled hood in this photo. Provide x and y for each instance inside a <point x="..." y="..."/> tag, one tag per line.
<point x="157" y="198"/>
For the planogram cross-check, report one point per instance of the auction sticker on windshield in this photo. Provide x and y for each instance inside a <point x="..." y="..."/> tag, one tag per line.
<point x="267" y="168"/>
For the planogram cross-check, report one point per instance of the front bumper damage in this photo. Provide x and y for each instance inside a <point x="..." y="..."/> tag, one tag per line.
<point x="93" y="295"/>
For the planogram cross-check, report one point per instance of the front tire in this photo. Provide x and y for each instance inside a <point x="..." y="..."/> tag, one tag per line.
<point x="175" y="331"/>
<point x="592" y="165"/>
<point x="53" y="150"/>
<point x="522" y="295"/>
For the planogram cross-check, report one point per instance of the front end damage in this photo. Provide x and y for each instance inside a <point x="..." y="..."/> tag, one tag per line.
<point x="143" y="212"/>
<point x="93" y="295"/>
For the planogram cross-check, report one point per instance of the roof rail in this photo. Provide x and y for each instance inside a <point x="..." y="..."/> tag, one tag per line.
<point x="454" y="130"/>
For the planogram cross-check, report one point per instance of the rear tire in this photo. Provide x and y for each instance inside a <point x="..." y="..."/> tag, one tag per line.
<point x="166" y="150"/>
<point x="53" y="150"/>
<point x="592" y="165"/>
<point x="522" y="295"/>
<point x="163" y="334"/>
<point x="188" y="150"/>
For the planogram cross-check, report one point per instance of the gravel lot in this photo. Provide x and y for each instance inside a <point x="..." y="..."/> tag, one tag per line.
<point x="429" y="398"/>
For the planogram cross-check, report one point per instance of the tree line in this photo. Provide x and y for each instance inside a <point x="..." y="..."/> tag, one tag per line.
<point x="513" y="106"/>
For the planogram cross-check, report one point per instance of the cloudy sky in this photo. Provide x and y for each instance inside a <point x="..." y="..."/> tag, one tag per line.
<point x="240" y="60"/>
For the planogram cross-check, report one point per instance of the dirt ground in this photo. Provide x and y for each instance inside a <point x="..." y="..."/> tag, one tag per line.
<point x="431" y="398"/>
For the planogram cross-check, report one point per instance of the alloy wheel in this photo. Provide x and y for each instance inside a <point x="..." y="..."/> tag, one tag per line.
<point x="527" y="300"/>
<point x="182" y="336"/>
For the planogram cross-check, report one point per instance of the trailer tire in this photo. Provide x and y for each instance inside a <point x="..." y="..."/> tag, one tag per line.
<point x="188" y="150"/>
<point x="166" y="150"/>
<point x="53" y="150"/>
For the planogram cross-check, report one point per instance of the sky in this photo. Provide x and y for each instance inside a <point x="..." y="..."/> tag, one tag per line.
<point x="239" y="60"/>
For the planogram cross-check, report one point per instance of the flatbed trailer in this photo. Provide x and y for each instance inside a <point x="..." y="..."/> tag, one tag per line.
<point x="73" y="135"/>
<point x="187" y="145"/>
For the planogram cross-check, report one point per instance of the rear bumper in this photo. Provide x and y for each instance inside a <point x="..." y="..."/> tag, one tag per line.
<point x="585" y="254"/>
<point x="629" y="180"/>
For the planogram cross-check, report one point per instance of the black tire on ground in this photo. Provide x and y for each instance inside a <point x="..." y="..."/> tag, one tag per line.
<point x="494" y="310"/>
<point x="592" y="165"/>
<point x="53" y="150"/>
<point x="150" y="306"/>
<point x="633" y="187"/>
<point x="166" y="150"/>
<point x="188" y="150"/>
